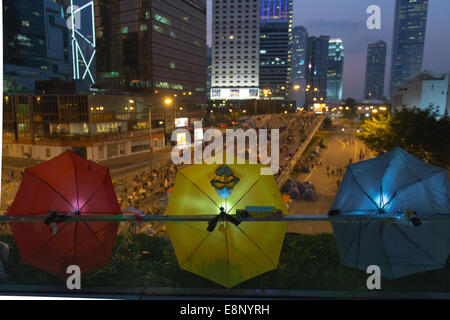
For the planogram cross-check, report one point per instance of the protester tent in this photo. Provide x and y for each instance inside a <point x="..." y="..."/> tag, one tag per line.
<point x="397" y="185"/>
<point x="58" y="189"/>
<point x="225" y="250"/>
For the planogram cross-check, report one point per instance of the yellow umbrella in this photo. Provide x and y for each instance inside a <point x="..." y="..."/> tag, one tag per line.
<point x="229" y="252"/>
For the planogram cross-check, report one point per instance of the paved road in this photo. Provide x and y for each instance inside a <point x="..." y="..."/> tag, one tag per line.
<point x="337" y="155"/>
<point x="118" y="167"/>
<point x="126" y="165"/>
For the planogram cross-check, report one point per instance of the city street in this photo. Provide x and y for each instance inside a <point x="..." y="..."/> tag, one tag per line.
<point x="341" y="147"/>
<point x="121" y="167"/>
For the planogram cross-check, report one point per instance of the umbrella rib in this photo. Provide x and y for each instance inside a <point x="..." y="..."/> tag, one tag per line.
<point x="76" y="180"/>
<point x="95" y="192"/>
<point x="411" y="184"/>
<point x="400" y="190"/>
<point x="68" y="251"/>
<point x="245" y="194"/>
<point x="199" y="188"/>
<point x="228" y="256"/>
<point x="45" y="244"/>
<point x="75" y="242"/>
<point x="362" y="189"/>
<point x="353" y="240"/>
<point x="95" y="235"/>
<point x="384" y="248"/>
<point x="50" y="187"/>
<point x="251" y="240"/>
<point x="415" y="244"/>
<point x="196" y="248"/>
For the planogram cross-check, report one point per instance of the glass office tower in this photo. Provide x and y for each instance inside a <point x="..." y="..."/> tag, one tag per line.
<point x="335" y="69"/>
<point x="375" y="70"/>
<point x="408" y="42"/>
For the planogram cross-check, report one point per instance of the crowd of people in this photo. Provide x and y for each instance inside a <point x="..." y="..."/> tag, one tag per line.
<point x="144" y="191"/>
<point x="293" y="129"/>
<point x="140" y="188"/>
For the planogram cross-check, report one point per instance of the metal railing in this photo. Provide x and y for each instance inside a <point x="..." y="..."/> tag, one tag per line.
<point x="199" y="218"/>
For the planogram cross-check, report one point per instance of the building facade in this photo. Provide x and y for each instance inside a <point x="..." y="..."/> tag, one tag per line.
<point x="317" y="69"/>
<point x="36" y="44"/>
<point x="298" y="64"/>
<point x="408" y="42"/>
<point x="96" y="126"/>
<point x="148" y="46"/>
<point x="235" y="49"/>
<point x="209" y="71"/>
<point x="427" y="89"/>
<point x="275" y="47"/>
<point x="375" y="70"/>
<point x="335" y="69"/>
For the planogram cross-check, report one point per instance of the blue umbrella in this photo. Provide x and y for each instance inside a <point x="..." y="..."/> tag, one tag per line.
<point x="395" y="184"/>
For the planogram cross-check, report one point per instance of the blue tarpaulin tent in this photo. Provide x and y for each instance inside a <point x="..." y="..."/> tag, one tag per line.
<point x="393" y="185"/>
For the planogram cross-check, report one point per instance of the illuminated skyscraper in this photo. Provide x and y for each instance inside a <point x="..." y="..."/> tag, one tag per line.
<point x="335" y="69"/>
<point x="36" y="43"/>
<point x="317" y="69"/>
<point x="275" y="46"/>
<point x="251" y="49"/>
<point x="235" y="50"/>
<point x="375" y="70"/>
<point x="298" y="64"/>
<point x="409" y="38"/>
<point x="152" y="47"/>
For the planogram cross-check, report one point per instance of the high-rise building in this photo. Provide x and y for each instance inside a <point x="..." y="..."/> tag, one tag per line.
<point x="235" y="56"/>
<point x="335" y="69"/>
<point x="251" y="49"/>
<point x="152" y="47"/>
<point x="375" y="70"/>
<point x="36" y="44"/>
<point x="317" y="69"/>
<point x="298" y="64"/>
<point x="275" y="47"/>
<point x="209" y="71"/>
<point x="408" y="42"/>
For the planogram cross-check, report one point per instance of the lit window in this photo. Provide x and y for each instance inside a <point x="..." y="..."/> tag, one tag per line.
<point x="163" y="19"/>
<point x="144" y="27"/>
<point x="158" y="28"/>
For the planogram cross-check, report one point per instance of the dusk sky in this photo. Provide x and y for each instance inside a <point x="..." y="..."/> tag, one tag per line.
<point x="346" y="19"/>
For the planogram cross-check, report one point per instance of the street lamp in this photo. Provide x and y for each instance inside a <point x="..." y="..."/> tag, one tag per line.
<point x="167" y="101"/>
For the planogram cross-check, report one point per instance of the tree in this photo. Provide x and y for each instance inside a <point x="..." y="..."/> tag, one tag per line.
<point x="417" y="131"/>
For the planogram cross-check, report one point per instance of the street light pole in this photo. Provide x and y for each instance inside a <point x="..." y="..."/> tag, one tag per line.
<point x="151" y="146"/>
<point x="167" y="101"/>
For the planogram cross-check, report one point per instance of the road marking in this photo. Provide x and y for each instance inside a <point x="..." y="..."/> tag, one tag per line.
<point x="315" y="167"/>
<point x="339" y="140"/>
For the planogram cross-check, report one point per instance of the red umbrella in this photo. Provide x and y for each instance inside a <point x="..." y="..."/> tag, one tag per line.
<point x="68" y="185"/>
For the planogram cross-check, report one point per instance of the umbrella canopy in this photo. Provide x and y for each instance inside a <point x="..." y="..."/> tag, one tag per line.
<point x="70" y="185"/>
<point x="225" y="251"/>
<point x="392" y="185"/>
